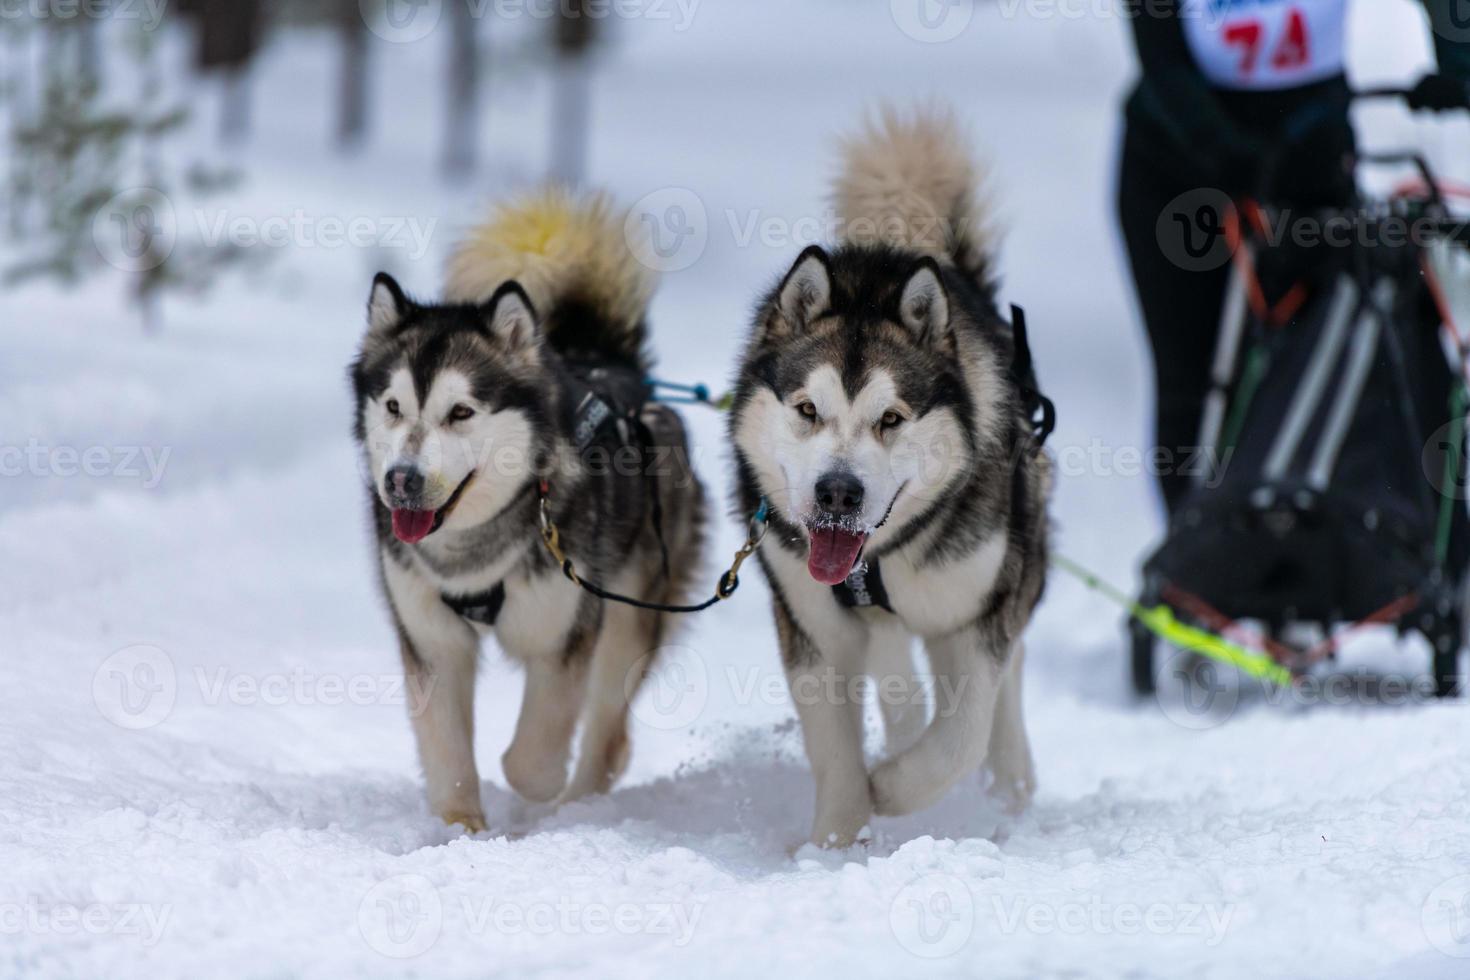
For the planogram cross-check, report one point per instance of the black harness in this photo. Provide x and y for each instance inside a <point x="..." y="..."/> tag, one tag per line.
<point x="601" y="399"/>
<point x="863" y="588"/>
<point x="604" y="398"/>
<point x="1040" y="412"/>
<point x="483" y="608"/>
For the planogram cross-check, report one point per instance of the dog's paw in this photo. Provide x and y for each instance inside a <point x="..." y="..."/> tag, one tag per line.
<point x="536" y="779"/>
<point x="473" y="823"/>
<point x="1014" y="795"/>
<point x="890" y="788"/>
<point x="881" y="788"/>
<point x="836" y="840"/>
<point x="1013" y="782"/>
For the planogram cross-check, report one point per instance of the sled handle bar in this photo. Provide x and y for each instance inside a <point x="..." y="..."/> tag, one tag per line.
<point x="1400" y="94"/>
<point x="1362" y="94"/>
<point x="1420" y="164"/>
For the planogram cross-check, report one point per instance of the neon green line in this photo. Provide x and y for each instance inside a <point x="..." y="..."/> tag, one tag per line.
<point x="1161" y="622"/>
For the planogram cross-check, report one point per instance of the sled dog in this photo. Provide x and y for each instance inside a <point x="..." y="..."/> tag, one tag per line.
<point x="882" y="413"/>
<point x="525" y="388"/>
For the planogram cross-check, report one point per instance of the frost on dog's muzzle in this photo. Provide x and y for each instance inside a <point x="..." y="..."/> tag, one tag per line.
<point x="837" y="534"/>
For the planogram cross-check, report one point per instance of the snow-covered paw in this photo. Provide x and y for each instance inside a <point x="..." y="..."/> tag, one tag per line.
<point x="1015" y="782"/>
<point x="836" y="840"/>
<point x="1015" y="794"/>
<point x="841" y="819"/>
<point x="473" y="823"/>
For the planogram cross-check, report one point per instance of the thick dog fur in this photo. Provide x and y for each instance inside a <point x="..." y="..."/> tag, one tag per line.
<point x="886" y="362"/>
<point x="462" y="408"/>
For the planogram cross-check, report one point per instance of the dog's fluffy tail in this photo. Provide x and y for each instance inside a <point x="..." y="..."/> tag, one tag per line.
<point x="909" y="180"/>
<point x="570" y="255"/>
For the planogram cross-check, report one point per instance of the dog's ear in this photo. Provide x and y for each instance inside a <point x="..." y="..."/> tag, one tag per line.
<point x="387" y="304"/>
<point x="511" y="319"/>
<point x="805" y="293"/>
<point x="924" y="305"/>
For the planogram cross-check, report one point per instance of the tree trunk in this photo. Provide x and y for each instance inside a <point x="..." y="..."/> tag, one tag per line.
<point x="229" y="32"/>
<point x="461" y="134"/>
<point x="570" y="108"/>
<point x="18" y="64"/>
<point x="89" y="50"/>
<point x="570" y="112"/>
<point x="229" y="35"/>
<point x="352" y="94"/>
<point x="234" y="113"/>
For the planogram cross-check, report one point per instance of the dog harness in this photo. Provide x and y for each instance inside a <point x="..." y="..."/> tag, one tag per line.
<point x="483" y="608"/>
<point x="606" y="398"/>
<point x="863" y="588"/>
<point x="602" y="398"/>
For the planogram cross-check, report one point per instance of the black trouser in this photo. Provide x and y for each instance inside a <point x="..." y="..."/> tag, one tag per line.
<point x="1181" y="303"/>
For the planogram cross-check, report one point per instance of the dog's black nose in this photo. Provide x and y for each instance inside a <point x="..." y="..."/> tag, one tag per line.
<point x="839" y="494"/>
<point x="404" y="482"/>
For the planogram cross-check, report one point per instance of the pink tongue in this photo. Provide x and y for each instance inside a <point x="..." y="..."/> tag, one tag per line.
<point x="412" y="526"/>
<point x="834" y="552"/>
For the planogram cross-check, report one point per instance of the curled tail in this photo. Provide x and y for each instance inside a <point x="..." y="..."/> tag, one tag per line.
<point x="570" y="255"/>
<point x="910" y="181"/>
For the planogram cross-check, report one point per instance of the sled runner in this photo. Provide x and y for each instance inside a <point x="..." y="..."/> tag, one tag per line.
<point x="1334" y="494"/>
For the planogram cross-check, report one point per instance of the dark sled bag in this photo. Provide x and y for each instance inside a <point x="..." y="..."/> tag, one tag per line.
<point x="1334" y="458"/>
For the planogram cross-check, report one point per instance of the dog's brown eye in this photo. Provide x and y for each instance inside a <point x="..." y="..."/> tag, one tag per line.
<point x="807" y="410"/>
<point x="460" y="412"/>
<point x="890" y="419"/>
<point x="392" y="407"/>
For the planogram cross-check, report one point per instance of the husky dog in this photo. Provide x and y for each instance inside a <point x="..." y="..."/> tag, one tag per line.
<point x="879" y="412"/>
<point x="527" y="382"/>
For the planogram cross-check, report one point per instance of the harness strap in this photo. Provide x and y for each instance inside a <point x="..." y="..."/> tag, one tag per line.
<point x="591" y="414"/>
<point x="483" y="608"/>
<point x="1040" y="411"/>
<point x="724" y="589"/>
<point x="603" y="396"/>
<point x="863" y="588"/>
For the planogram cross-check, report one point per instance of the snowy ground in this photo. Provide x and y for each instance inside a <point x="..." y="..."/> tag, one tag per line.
<point x="205" y="765"/>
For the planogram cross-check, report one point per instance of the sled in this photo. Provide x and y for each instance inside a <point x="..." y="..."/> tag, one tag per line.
<point x="1335" y="495"/>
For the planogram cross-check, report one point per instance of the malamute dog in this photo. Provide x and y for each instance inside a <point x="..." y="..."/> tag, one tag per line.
<point x="879" y="412"/>
<point x="527" y="383"/>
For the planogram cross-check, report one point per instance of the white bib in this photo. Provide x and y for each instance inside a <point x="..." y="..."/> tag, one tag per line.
<point x="1265" y="44"/>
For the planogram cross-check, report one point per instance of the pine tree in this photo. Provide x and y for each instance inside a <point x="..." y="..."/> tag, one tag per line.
<point x="89" y="188"/>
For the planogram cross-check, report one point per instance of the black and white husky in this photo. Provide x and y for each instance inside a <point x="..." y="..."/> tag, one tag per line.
<point x="527" y="383"/>
<point x="880" y="413"/>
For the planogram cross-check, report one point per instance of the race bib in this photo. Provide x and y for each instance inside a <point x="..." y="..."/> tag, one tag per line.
<point x="1266" y="44"/>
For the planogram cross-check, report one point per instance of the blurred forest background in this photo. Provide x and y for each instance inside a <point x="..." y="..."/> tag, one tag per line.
<point x="84" y="121"/>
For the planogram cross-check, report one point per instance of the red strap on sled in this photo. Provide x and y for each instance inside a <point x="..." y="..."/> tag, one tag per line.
<point x="1285" y="308"/>
<point x="1220" y="623"/>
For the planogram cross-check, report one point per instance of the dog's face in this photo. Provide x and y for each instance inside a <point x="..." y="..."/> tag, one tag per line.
<point x="450" y="402"/>
<point x="854" y="414"/>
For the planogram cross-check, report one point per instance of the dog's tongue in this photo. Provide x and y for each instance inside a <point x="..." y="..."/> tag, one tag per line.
<point x="412" y="526"/>
<point x="834" y="552"/>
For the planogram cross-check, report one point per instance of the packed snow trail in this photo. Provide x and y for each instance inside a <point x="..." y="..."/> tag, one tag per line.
<point x="207" y="766"/>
